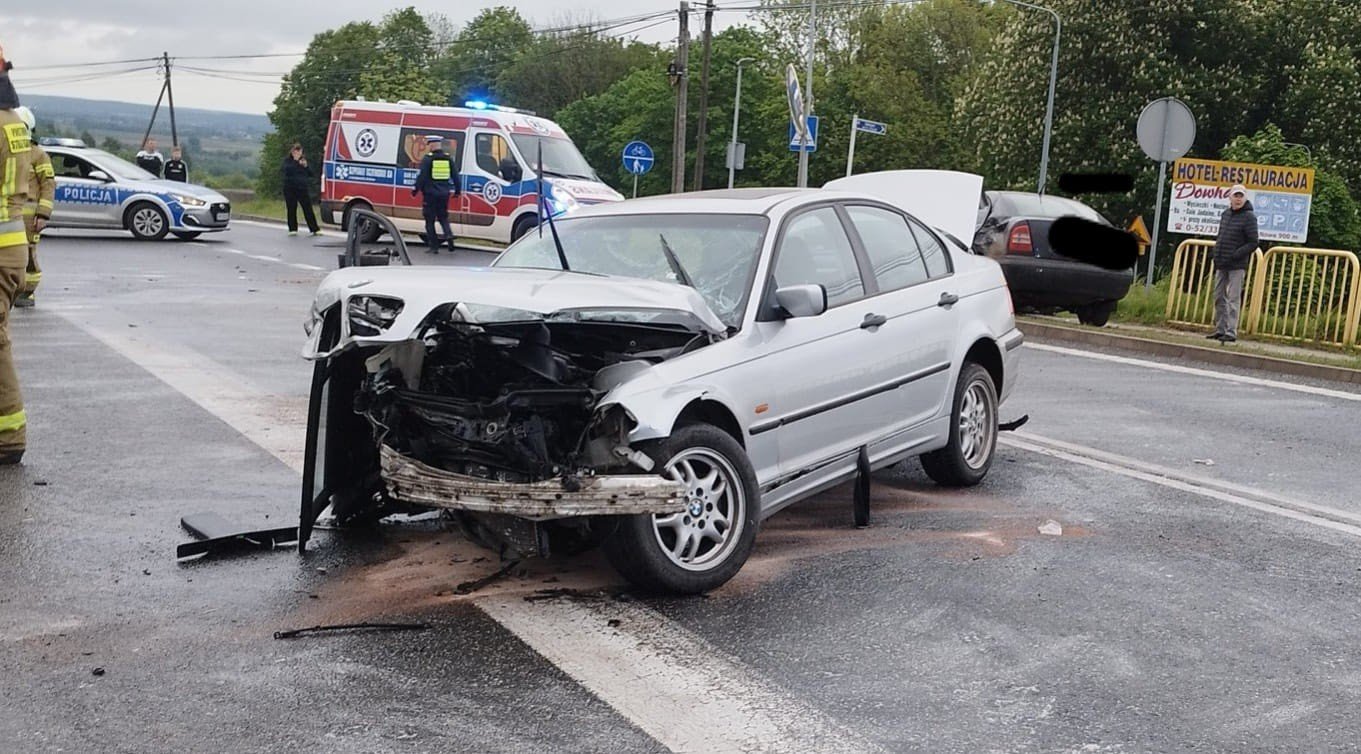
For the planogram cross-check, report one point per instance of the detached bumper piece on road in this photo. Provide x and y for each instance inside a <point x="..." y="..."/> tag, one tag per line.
<point x="562" y="497"/>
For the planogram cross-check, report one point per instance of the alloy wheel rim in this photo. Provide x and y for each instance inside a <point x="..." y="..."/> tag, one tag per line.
<point x="147" y="222"/>
<point x="976" y="424"/>
<point x="702" y="535"/>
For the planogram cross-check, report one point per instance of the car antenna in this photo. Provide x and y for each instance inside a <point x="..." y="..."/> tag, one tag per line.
<point x="552" y="228"/>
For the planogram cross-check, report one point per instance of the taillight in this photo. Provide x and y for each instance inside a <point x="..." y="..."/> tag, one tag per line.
<point x="1018" y="240"/>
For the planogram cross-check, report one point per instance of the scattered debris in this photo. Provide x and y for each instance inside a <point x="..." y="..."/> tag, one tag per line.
<point x="548" y="594"/>
<point x="468" y="587"/>
<point x="217" y="534"/>
<point x="1012" y="426"/>
<point x="1052" y="528"/>
<point x="1204" y="461"/>
<point x="97" y="671"/>
<point x="614" y="623"/>
<point x="39" y="482"/>
<point x="297" y="632"/>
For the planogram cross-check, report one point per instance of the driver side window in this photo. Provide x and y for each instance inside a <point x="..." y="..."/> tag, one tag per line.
<point x="815" y="250"/>
<point x="491" y="149"/>
<point x="70" y="166"/>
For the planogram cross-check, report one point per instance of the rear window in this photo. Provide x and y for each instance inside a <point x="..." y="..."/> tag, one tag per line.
<point x="1034" y="205"/>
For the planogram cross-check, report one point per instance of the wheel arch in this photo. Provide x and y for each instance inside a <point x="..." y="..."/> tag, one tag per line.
<point x="986" y="354"/>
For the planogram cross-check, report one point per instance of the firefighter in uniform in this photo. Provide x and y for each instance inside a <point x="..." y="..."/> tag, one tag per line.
<point x="436" y="180"/>
<point x="42" y="187"/>
<point x="15" y="152"/>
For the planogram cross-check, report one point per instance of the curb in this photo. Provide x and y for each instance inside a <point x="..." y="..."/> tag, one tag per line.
<point x="1221" y="356"/>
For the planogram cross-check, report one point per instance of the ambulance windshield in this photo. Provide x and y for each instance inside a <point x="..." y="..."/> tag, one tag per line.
<point x="560" y="157"/>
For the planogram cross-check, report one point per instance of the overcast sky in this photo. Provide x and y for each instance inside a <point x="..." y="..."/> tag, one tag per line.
<point x="80" y="31"/>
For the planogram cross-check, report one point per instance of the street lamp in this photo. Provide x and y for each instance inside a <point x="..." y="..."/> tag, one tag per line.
<point x="1053" y="78"/>
<point x="736" y="110"/>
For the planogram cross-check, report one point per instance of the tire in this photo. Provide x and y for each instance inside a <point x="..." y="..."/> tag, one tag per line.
<point x="1096" y="315"/>
<point x="523" y="226"/>
<point x="186" y="235"/>
<point x="146" y="221"/>
<point x="965" y="460"/>
<point x="369" y="231"/>
<point x="642" y="546"/>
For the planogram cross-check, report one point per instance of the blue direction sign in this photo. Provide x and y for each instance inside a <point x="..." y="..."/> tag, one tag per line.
<point x="870" y="126"/>
<point x="638" y="157"/>
<point x="795" y="146"/>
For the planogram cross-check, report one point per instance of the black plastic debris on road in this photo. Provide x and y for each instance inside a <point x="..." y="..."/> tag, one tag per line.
<point x="217" y="535"/>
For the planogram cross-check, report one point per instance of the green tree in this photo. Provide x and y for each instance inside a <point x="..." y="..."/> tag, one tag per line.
<point x="329" y="71"/>
<point x="478" y="55"/>
<point x="558" y="69"/>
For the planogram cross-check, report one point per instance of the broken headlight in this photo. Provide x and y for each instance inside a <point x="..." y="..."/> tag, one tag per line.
<point x="370" y="315"/>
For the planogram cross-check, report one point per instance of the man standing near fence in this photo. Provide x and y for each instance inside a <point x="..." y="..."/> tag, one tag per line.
<point x="1234" y="245"/>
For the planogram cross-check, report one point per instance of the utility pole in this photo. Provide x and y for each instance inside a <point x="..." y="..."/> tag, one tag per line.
<point x="170" y="99"/>
<point x="166" y="92"/>
<point x="703" y="128"/>
<point x="681" y="81"/>
<point x="808" y="93"/>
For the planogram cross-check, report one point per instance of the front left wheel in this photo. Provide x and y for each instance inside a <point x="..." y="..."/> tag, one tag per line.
<point x="702" y="547"/>
<point x="147" y="222"/>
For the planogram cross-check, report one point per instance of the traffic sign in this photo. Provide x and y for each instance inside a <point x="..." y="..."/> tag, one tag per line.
<point x="871" y="127"/>
<point x="794" y="93"/>
<point x="1166" y="129"/>
<point x="794" y="138"/>
<point x="638" y="157"/>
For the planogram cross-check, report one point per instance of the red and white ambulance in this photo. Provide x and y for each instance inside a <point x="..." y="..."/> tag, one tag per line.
<point x="374" y="151"/>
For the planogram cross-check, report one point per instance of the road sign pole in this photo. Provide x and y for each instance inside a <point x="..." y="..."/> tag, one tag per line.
<point x="635" y="185"/>
<point x="850" y="153"/>
<point x="1157" y="223"/>
<point x="804" y="136"/>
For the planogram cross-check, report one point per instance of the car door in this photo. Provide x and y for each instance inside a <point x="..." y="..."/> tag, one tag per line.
<point x="491" y="200"/>
<point x="80" y="199"/>
<point x="833" y="370"/>
<point x="911" y="270"/>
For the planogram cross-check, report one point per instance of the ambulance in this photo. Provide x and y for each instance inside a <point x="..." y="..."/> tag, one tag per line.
<point x="374" y="151"/>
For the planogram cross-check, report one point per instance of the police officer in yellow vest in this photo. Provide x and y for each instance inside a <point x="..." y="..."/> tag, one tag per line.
<point x="42" y="188"/>
<point x="15" y="154"/>
<point x="438" y="177"/>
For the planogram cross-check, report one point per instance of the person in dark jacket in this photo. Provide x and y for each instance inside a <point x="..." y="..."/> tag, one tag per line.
<point x="437" y="179"/>
<point x="150" y="159"/>
<point x="298" y="191"/>
<point x="1233" y="249"/>
<point x="176" y="170"/>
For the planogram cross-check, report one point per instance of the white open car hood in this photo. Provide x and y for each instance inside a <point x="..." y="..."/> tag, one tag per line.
<point x="946" y="199"/>
<point x="545" y="292"/>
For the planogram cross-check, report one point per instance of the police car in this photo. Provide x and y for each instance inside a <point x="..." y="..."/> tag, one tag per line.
<point x="96" y="189"/>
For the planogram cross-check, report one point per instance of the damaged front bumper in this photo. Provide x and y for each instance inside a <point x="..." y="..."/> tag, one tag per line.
<point x="411" y="481"/>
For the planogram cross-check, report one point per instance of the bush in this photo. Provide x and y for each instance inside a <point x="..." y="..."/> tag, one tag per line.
<point x="1144" y="306"/>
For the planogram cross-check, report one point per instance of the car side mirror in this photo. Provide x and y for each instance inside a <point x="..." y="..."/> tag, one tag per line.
<point x="100" y="175"/>
<point x="802" y="300"/>
<point x="510" y="172"/>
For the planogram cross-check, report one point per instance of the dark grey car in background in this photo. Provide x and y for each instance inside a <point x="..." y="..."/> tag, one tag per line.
<point x="1013" y="228"/>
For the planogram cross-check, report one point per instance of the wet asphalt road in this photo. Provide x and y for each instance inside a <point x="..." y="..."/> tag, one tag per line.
<point x="1161" y="620"/>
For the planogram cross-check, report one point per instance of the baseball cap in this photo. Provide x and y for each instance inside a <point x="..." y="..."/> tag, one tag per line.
<point x="1238" y="188"/>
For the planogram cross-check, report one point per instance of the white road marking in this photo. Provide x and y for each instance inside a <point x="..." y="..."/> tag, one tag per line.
<point x="215" y="388"/>
<point x="1193" y="371"/>
<point x="308" y="267"/>
<point x="1323" y="516"/>
<point x="233" y="251"/>
<point x="264" y="258"/>
<point x="674" y="685"/>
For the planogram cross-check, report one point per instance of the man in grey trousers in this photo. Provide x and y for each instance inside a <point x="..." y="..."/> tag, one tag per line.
<point x="1233" y="249"/>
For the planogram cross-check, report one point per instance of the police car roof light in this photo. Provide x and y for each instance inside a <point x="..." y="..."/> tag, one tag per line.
<point x="57" y="141"/>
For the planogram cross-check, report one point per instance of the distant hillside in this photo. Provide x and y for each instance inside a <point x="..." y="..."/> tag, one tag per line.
<point x="105" y="116"/>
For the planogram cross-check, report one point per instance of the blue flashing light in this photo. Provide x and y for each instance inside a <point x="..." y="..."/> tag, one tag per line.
<point x="476" y="104"/>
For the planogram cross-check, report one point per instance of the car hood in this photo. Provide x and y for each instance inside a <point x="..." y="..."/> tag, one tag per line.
<point x="586" y="192"/>
<point x="946" y="199"/>
<point x="173" y="187"/>
<point x="501" y="294"/>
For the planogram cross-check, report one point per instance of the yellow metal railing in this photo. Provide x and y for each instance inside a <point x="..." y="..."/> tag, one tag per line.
<point x="1290" y="292"/>
<point x="1307" y="294"/>
<point x="1190" y="296"/>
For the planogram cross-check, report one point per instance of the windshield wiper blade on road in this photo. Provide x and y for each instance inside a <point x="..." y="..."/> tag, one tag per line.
<point x="671" y="259"/>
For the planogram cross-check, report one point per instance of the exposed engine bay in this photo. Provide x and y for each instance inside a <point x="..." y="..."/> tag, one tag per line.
<point x="513" y="401"/>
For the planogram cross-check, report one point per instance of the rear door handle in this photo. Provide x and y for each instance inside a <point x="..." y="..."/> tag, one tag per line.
<point x="947" y="299"/>
<point x="872" y="321"/>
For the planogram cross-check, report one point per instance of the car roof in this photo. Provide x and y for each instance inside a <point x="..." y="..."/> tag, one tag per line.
<point x="745" y="201"/>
